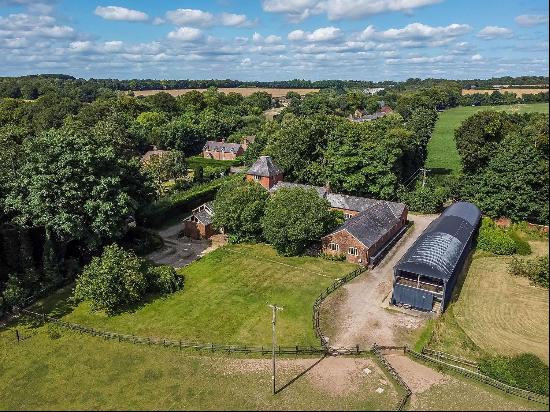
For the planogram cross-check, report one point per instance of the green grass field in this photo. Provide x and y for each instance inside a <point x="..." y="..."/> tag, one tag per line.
<point x="495" y="313"/>
<point x="224" y="300"/>
<point x="443" y="156"/>
<point x="80" y="372"/>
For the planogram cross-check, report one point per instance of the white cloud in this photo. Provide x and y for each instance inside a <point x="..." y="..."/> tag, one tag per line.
<point x="80" y="46"/>
<point x="246" y="61"/>
<point x="272" y="39"/>
<point x="192" y="17"/>
<point x="120" y="13"/>
<point x="296" y="35"/>
<point x="477" y="57"/>
<point x="321" y="34"/>
<point x="112" y="46"/>
<point x="297" y="10"/>
<point x="494" y="32"/>
<point x="257" y="37"/>
<point x="186" y="34"/>
<point x="157" y="21"/>
<point x="416" y="32"/>
<point x="530" y="20"/>
<point x="235" y="20"/>
<point x="57" y="32"/>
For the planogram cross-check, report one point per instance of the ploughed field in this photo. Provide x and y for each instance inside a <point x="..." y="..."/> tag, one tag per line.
<point x="224" y="300"/>
<point x="518" y="91"/>
<point x="443" y="157"/>
<point x="245" y="91"/>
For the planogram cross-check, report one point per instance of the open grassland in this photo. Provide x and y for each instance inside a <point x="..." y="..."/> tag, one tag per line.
<point x="55" y="369"/>
<point x="496" y="313"/>
<point x="245" y="91"/>
<point x="79" y="372"/>
<point x="443" y="156"/>
<point x="516" y="90"/>
<point x="225" y="298"/>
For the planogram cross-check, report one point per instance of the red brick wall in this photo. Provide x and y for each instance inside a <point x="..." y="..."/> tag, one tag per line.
<point x="196" y="230"/>
<point x="267" y="182"/>
<point x="345" y="240"/>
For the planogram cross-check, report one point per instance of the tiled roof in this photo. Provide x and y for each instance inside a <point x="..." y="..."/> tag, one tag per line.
<point x="264" y="166"/>
<point x="286" y="185"/>
<point x="225" y="147"/>
<point x="374" y="222"/>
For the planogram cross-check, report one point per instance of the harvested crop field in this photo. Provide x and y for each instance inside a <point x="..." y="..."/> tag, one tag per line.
<point x="518" y="91"/>
<point x="245" y="91"/>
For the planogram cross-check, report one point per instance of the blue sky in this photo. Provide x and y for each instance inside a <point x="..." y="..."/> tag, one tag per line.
<point x="275" y="39"/>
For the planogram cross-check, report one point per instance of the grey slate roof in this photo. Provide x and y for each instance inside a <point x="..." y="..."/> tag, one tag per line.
<point x="225" y="147"/>
<point x="264" y="166"/>
<point x="204" y="213"/>
<point x="373" y="222"/>
<point x="439" y="249"/>
<point x="287" y="185"/>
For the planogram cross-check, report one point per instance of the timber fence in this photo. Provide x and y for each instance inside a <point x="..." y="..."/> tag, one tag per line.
<point x="436" y="360"/>
<point x="376" y="350"/>
<point x="317" y="305"/>
<point x="181" y="344"/>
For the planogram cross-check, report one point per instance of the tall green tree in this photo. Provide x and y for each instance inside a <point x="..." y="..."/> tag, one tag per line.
<point x="239" y="209"/>
<point x="295" y="217"/>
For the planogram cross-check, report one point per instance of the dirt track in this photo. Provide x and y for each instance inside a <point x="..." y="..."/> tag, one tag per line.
<point x="361" y="310"/>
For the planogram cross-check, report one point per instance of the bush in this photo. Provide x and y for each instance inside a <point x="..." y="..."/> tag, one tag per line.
<point x="494" y="239"/>
<point x="535" y="270"/>
<point x="525" y="371"/>
<point x="14" y="293"/>
<point x="119" y="278"/>
<point x="522" y="247"/>
<point x="337" y="258"/>
<point x="164" y="279"/>
<point x="112" y="281"/>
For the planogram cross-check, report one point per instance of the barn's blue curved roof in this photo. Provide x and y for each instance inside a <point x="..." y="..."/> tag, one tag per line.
<point x="438" y="250"/>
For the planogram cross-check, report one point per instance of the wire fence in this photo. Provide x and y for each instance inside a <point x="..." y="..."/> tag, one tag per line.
<point x="317" y="305"/>
<point x="481" y="378"/>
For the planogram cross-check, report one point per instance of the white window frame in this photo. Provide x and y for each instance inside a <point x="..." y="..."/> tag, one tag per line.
<point x="348" y="215"/>
<point x="335" y="247"/>
<point x="256" y="177"/>
<point x="353" y="251"/>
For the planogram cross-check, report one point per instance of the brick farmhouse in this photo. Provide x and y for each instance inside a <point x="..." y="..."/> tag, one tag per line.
<point x="222" y="150"/>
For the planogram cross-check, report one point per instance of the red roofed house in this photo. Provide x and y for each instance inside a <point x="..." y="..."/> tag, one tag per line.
<point x="222" y="150"/>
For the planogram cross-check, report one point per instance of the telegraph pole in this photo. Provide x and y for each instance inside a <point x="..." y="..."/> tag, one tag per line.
<point x="274" y="308"/>
<point x="424" y="170"/>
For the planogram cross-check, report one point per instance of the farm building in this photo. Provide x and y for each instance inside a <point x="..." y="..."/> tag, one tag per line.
<point x="265" y="171"/>
<point x="222" y="150"/>
<point x="365" y="237"/>
<point x="370" y="228"/>
<point x="425" y="276"/>
<point x="199" y="224"/>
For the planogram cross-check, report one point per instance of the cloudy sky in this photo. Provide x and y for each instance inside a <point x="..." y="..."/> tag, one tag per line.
<point x="275" y="39"/>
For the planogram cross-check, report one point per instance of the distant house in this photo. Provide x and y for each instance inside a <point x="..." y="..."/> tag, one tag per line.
<point x="199" y="224"/>
<point x="222" y="150"/>
<point x="265" y="171"/>
<point x="365" y="237"/>
<point x="247" y="141"/>
<point x="370" y="227"/>
<point x="368" y="117"/>
<point x="152" y="153"/>
<point x="373" y="90"/>
<point x="386" y="109"/>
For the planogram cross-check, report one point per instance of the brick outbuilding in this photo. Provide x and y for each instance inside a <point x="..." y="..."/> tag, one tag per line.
<point x="265" y="171"/>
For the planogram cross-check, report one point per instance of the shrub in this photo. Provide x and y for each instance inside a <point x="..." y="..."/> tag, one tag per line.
<point x="494" y="239"/>
<point x="535" y="270"/>
<point x="113" y="280"/>
<point x="522" y="247"/>
<point x="338" y="258"/>
<point x="13" y="293"/>
<point x="164" y="279"/>
<point x="524" y="371"/>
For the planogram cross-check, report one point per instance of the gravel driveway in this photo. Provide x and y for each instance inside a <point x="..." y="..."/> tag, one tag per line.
<point x="360" y="308"/>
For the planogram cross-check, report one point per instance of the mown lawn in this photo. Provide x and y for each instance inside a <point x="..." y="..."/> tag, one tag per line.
<point x="225" y="299"/>
<point x="443" y="156"/>
<point x="495" y="312"/>
<point x="79" y="372"/>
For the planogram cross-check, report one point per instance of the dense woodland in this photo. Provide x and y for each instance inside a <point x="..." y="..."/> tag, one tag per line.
<point x="71" y="178"/>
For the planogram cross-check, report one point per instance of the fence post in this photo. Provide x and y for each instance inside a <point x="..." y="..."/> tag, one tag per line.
<point x="17" y="334"/>
<point x="357" y="349"/>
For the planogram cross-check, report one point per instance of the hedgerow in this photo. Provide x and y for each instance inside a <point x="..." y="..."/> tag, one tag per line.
<point x="494" y="239"/>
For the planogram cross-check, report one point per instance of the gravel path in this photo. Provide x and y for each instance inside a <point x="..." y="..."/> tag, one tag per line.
<point x="178" y="251"/>
<point x="362" y="312"/>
